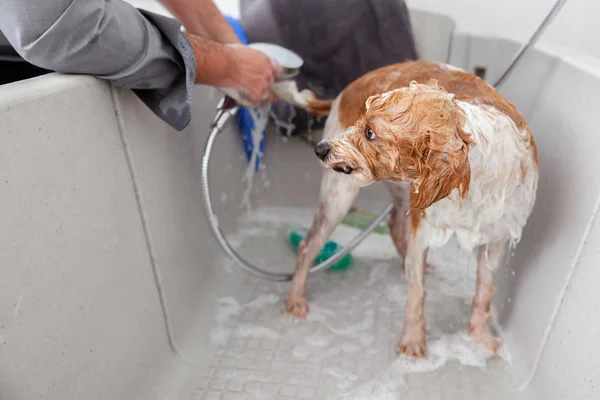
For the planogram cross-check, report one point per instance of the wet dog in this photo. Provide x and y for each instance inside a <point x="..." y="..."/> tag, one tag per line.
<point x="458" y="159"/>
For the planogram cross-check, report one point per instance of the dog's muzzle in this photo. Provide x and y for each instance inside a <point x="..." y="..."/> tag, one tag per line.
<point x="322" y="150"/>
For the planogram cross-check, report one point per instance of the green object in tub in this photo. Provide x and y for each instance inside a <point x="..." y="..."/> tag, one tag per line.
<point x="296" y="235"/>
<point x="361" y="219"/>
<point x="354" y="218"/>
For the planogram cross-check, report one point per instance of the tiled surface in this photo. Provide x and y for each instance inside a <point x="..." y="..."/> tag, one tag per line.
<point x="345" y="349"/>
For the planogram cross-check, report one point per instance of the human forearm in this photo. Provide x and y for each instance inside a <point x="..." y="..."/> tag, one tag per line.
<point x="113" y="41"/>
<point x="110" y="40"/>
<point x="203" y="18"/>
<point x="239" y="71"/>
<point x="214" y="61"/>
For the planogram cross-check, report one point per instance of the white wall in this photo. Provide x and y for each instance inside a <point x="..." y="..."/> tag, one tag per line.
<point x="229" y="7"/>
<point x="575" y="27"/>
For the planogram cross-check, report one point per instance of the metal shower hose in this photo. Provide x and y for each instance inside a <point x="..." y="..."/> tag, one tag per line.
<point x="227" y="108"/>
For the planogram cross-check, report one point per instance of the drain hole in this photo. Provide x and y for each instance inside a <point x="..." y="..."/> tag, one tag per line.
<point x="480" y="72"/>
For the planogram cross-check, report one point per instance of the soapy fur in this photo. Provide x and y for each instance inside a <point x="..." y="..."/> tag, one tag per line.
<point x="458" y="159"/>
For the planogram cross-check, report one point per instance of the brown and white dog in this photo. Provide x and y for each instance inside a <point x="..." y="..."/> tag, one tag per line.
<point x="458" y="160"/>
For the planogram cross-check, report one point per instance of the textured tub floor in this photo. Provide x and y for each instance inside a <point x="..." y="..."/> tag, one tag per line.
<point x="345" y="349"/>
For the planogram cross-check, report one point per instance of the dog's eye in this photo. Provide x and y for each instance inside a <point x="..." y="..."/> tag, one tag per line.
<point x="370" y="134"/>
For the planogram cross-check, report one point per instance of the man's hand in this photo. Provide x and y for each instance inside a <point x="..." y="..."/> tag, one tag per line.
<point x="251" y="76"/>
<point x="241" y="72"/>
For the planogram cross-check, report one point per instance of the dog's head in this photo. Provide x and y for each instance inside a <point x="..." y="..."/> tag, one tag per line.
<point x="411" y="134"/>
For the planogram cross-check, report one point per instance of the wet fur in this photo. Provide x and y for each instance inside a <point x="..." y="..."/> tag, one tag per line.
<point x="456" y="156"/>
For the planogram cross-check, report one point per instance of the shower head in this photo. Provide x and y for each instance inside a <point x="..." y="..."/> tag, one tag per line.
<point x="289" y="61"/>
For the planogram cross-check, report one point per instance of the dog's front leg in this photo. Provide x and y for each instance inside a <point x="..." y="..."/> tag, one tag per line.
<point x="488" y="259"/>
<point x="397" y="221"/>
<point x="336" y="198"/>
<point x="413" y="342"/>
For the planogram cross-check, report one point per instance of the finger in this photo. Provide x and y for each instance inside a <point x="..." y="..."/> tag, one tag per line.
<point x="248" y="100"/>
<point x="276" y="68"/>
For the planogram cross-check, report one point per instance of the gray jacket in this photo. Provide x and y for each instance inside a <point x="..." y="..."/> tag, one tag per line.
<point x="109" y="39"/>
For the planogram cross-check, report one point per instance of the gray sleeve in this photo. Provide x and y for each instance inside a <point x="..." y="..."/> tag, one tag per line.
<point x="109" y="39"/>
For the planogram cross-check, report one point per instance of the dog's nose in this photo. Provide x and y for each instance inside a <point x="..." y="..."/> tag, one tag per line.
<point x="322" y="150"/>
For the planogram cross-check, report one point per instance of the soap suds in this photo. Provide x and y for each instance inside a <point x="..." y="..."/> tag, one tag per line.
<point x="288" y="92"/>
<point x="220" y="335"/>
<point x="226" y="308"/>
<point x="264" y="300"/>
<point x="385" y="385"/>
<point x="345" y="349"/>
<point x="260" y="118"/>
<point x="344" y="378"/>
<point x="256" y="332"/>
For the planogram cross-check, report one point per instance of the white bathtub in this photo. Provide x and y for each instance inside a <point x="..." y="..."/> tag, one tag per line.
<point x="110" y="277"/>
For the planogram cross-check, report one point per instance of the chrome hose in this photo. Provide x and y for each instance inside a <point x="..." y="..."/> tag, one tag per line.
<point x="226" y="110"/>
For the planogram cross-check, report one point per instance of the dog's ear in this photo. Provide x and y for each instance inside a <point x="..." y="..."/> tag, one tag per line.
<point x="443" y="165"/>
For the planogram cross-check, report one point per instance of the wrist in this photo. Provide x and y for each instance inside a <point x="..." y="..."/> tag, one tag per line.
<point x="228" y="37"/>
<point x="215" y="62"/>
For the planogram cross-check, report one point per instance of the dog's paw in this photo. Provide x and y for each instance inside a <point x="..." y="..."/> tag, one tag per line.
<point x="413" y="341"/>
<point x="483" y="336"/>
<point x="296" y="307"/>
<point x="413" y="347"/>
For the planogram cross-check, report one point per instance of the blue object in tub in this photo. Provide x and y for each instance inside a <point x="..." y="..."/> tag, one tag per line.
<point x="238" y="29"/>
<point x="244" y="118"/>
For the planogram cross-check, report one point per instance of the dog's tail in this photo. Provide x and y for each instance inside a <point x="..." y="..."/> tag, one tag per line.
<point x="319" y="108"/>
